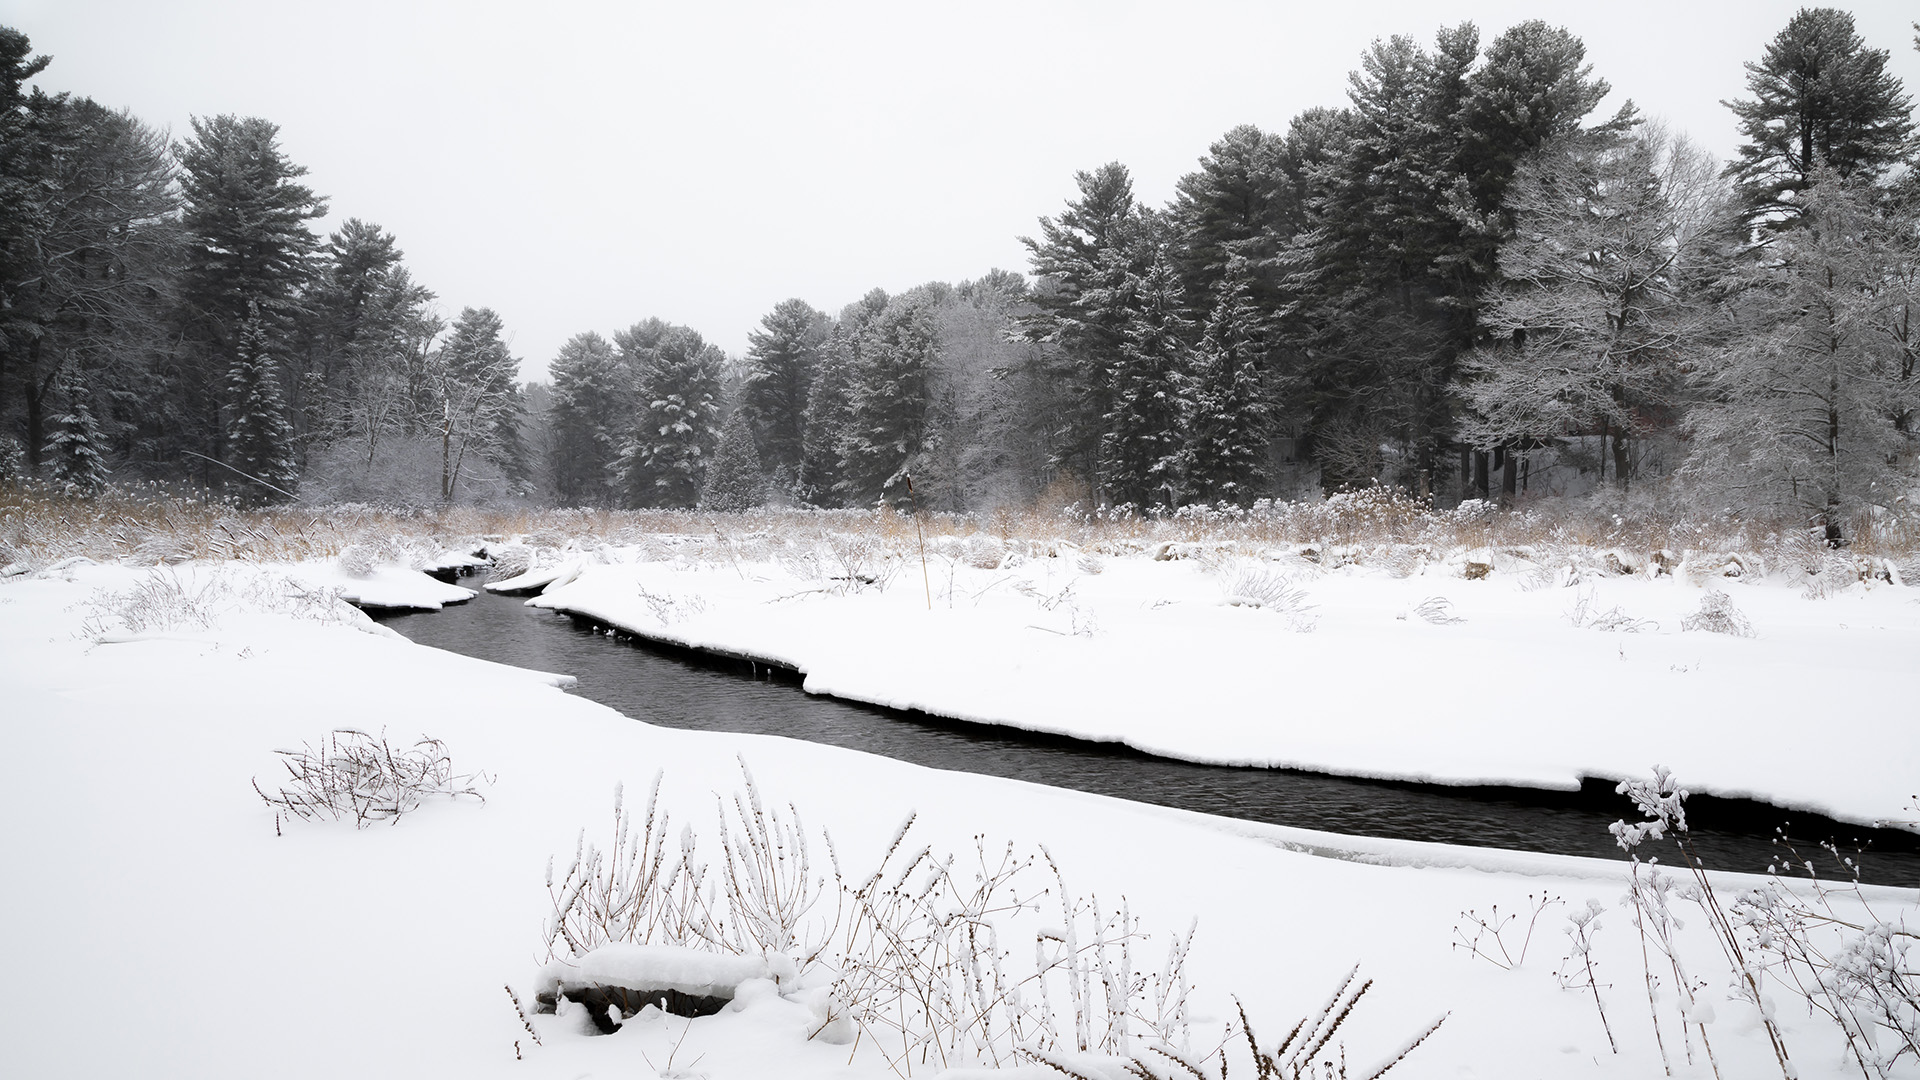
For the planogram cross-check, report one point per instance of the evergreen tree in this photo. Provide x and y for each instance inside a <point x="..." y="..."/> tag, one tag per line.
<point x="1087" y="262"/>
<point x="781" y="359"/>
<point x="887" y="426"/>
<point x="1141" y="445"/>
<point x="1533" y="87"/>
<point x="1227" y="427"/>
<point x="73" y="450"/>
<point x="99" y="268"/>
<point x="830" y="401"/>
<point x="1813" y="401"/>
<point x="258" y="436"/>
<point x="592" y="403"/>
<point x="247" y="255"/>
<point x="666" y="457"/>
<point x="734" y="481"/>
<point x="1372" y="302"/>
<point x="1820" y="97"/>
<point x="1232" y="208"/>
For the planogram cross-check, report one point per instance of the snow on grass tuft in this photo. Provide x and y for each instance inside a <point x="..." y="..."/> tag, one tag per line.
<point x="357" y="776"/>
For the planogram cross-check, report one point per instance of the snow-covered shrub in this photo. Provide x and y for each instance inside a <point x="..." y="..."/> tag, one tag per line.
<point x="1858" y="970"/>
<point x="1833" y="573"/>
<point x="1438" y="610"/>
<point x="984" y="552"/>
<point x="1245" y="583"/>
<point x="163" y="600"/>
<point x="1717" y="615"/>
<point x="352" y="774"/>
<point x="509" y="560"/>
<point x="358" y="560"/>
<point x="627" y="893"/>
<point x="164" y="550"/>
<point x="1613" y="620"/>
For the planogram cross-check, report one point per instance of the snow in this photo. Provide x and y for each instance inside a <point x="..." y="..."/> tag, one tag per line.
<point x="1156" y="654"/>
<point x="156" y="925"/>
<point x="655" y="967"/>
<point x="383" y="586"/>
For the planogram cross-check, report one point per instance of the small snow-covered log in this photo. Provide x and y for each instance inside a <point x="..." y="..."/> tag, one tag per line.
<point x="627" y="977"/>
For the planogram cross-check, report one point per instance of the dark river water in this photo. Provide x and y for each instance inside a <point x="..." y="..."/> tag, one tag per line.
<point x="674" y="688"/>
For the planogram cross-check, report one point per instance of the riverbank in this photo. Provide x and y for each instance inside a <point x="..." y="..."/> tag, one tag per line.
<point x="384" y="951"/>
<point x="1475" y="668"/>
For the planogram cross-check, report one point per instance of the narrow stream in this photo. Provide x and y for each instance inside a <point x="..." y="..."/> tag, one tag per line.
<point x="676" y="688"/>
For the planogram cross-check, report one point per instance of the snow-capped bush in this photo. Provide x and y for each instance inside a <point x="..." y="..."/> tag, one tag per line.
<point x="1717" y="615"/>
<point x="358" y="560"/>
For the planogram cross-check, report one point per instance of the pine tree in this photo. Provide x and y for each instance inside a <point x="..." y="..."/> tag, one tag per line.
<point x="1141" y="445"/>
<point x="1232" y="208"/>
<point x="830" y="401"/>
<point x="734" y="481"/>
<point x="781" y="359"/>
<point x="1813" y="401"/>
<point x="1372" y="301"/>
<point x="73" y="450"/>
<point x="247" y="255"/>
<point x="1820" y="97"/>
<point x="258" y="436"/>
<point x="1227" y="427"/>
<point x="887" y="426"/>
<point x="666" y="456"/>
<point x="1087" y="262"/>
<point x="592" y="402"/>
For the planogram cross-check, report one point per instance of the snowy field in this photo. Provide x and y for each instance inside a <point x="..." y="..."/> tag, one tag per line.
<point x="162" y="921"/>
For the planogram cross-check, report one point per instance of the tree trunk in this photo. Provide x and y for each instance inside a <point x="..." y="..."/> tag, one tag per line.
<point x="1509" y="475"/>
<point x="446" y="457"/>
<point x="1480" y="473"/>
<point x="1620" y="469"/>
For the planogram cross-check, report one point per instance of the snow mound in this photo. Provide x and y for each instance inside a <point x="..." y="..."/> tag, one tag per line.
<point x="652" y="969"/>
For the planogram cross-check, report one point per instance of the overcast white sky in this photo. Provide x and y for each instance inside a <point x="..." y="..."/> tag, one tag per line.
<point x="581" y="166"/>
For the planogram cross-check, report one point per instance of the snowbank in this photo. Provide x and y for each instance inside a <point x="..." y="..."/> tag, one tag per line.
<point x="1525" y="677"/>
<point x="654" y="968"/>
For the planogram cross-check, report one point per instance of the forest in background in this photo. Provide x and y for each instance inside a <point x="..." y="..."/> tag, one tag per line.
<point x="1463" y="284"/>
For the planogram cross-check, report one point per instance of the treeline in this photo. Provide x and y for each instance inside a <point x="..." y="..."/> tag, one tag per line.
<point x="1463" y="283"/>
<point x="166" y="312"/>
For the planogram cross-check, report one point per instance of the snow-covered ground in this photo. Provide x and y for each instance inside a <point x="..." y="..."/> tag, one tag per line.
<point x="1533" y="675"/>
<point x="156" y="925"/>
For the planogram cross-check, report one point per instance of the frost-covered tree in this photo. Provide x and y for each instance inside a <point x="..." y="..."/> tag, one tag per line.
<point x="887" y="425"/>
<point x="95" y="281"/>
<point x="1141" y="446"/>
<point x="247" y="255"/>
<point x="781" y="359"/>
<point x="1813" y="402"/>
<point x="477" y="386"/>
<point x="1820" y="98"/>
<point x="830" y="401"/>
<point x="734" y="480"/>
<point x="1600" y="297"/>
<point x="73" y="451"/>
<point x="1227" y="426"/>
<point x="258" y="437"/>
<point x="666" y="455"/>
<point x="1232" y="208"/>
<point x="589" y="418"/>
